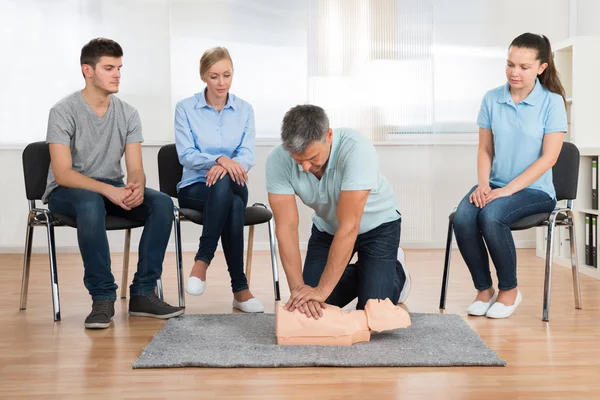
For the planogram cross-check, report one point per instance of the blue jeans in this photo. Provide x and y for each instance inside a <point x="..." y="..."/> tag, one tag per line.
<point x="89" y="209"/>
<point x="223" y="206"/>
<point x="474" y="225"/>
<point x="376" y="275"/>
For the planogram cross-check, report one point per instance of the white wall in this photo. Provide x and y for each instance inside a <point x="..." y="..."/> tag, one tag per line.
<point x="164" y="39"/>
<point x="43" y="40"/>
<point x="428" y="180"/>
<point x="471" y="38"/>
<point x="587" y="17"/>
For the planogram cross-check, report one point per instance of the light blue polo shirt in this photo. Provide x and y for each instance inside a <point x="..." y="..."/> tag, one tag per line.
<point x="518" y="131"/>
<point x="353" y="165"/>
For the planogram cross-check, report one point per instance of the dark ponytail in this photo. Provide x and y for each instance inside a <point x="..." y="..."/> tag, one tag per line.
<point x="549" y="78"/>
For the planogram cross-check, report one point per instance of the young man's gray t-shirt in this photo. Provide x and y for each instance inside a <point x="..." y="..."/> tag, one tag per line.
<point x="97" y="144"/>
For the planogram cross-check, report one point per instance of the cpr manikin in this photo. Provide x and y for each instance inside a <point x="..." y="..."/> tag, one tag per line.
<point x="338" y="327"/>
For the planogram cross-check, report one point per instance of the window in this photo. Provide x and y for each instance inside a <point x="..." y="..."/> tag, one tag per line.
<point x="370" y="64"/>
<point x="385" y="67"/>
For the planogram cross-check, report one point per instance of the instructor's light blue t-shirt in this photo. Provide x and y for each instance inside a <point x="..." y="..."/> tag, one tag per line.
<point x="518" y="131"/>
<point x="353" y="165"/>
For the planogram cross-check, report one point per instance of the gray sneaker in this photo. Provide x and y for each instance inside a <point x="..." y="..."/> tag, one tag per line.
<point x="102" y="313"/>
<point x="152" y="306"/>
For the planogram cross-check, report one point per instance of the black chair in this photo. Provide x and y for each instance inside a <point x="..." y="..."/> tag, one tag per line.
<point x="565" y="174"/>
<point x="36" y="162"/>
<point x="169" y="175"/>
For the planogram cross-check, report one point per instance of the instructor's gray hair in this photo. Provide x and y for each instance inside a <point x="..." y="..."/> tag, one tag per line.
<point x="303" y="125"/>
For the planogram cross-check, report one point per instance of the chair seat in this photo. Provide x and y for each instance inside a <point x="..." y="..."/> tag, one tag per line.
<point x="529" y="221"/>
<point x="112" y="222"/>
<point x="536" y="220"/>
<point x="254" y="215"/>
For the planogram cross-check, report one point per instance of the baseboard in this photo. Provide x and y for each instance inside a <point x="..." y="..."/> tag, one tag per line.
<point x="118" y="247"/>
<point x="258" y="246"/>
<point x="519" y="244"/>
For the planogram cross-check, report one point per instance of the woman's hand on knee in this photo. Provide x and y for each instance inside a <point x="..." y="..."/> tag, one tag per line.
<point x="215" y="173"/>
<point x="497" y="193"/>
<point x="479" y="195"/>
<point x="234" y="169"/>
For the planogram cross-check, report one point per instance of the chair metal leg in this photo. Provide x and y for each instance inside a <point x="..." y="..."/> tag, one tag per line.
<point x="273" y="246"/>
<point x="26" y="262"/>
<point x="249" y="253"/>
<point x="53" y="268"/>
<point x="159" y="289"/>
<point x="446" y="265"/>
<point x="125" y="273"/>
<point x="178" y="256"/>
<point x="574" y="261"/>
<point x="548" y="271"/>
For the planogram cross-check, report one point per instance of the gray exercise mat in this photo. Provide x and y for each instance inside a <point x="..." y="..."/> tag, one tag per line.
<point x="248" y="340"/>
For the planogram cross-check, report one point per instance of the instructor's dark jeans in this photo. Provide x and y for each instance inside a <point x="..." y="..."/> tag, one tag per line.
<point x="376" y="275"/>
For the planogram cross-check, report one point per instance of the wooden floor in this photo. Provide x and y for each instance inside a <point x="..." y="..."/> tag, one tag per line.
<point x="40" y="359"/>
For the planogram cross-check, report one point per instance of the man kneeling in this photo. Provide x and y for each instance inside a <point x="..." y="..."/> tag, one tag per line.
<point x="336" y="173"/>
<point x="88" y="132"/>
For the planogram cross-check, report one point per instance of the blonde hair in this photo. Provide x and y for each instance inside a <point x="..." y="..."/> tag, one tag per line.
<point x="211" y="57"/>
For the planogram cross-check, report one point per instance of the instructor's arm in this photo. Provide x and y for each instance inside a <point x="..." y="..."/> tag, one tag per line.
<point x="351" y="205"/>
<point x="285" y="213"/>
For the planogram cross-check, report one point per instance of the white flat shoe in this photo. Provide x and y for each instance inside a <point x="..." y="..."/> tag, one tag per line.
<point x="499" y="310"/>
<point x="195" y="286"/>
<point x="406" y="288"/>
<point x="479" y="308"/>
<point x="250" y="306"/>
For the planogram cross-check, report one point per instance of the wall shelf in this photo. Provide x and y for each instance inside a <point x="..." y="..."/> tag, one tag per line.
<point x="577" y="59"/>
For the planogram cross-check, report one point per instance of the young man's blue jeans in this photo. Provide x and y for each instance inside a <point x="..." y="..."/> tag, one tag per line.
<point x="474" y="225"/>
<point x="376" y="275"/>
<point x="89" y="209"/>
<point x="223" y="206"/>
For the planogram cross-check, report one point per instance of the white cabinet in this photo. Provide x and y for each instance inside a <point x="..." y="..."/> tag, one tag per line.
<point x="578" y="63"/>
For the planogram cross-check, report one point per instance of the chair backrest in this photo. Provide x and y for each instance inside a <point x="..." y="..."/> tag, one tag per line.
<point x="169" y="169"/>
<point x="36" y="162"/>
<point x="565" y="172"/>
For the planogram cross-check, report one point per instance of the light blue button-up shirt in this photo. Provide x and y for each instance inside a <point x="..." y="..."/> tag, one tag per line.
<point x="518" y="131"/>
<point x="202" y="135"/>
<point x="353" y="165"/>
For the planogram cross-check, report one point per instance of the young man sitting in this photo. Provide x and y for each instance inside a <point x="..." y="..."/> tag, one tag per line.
<point x="88" y="132"/>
